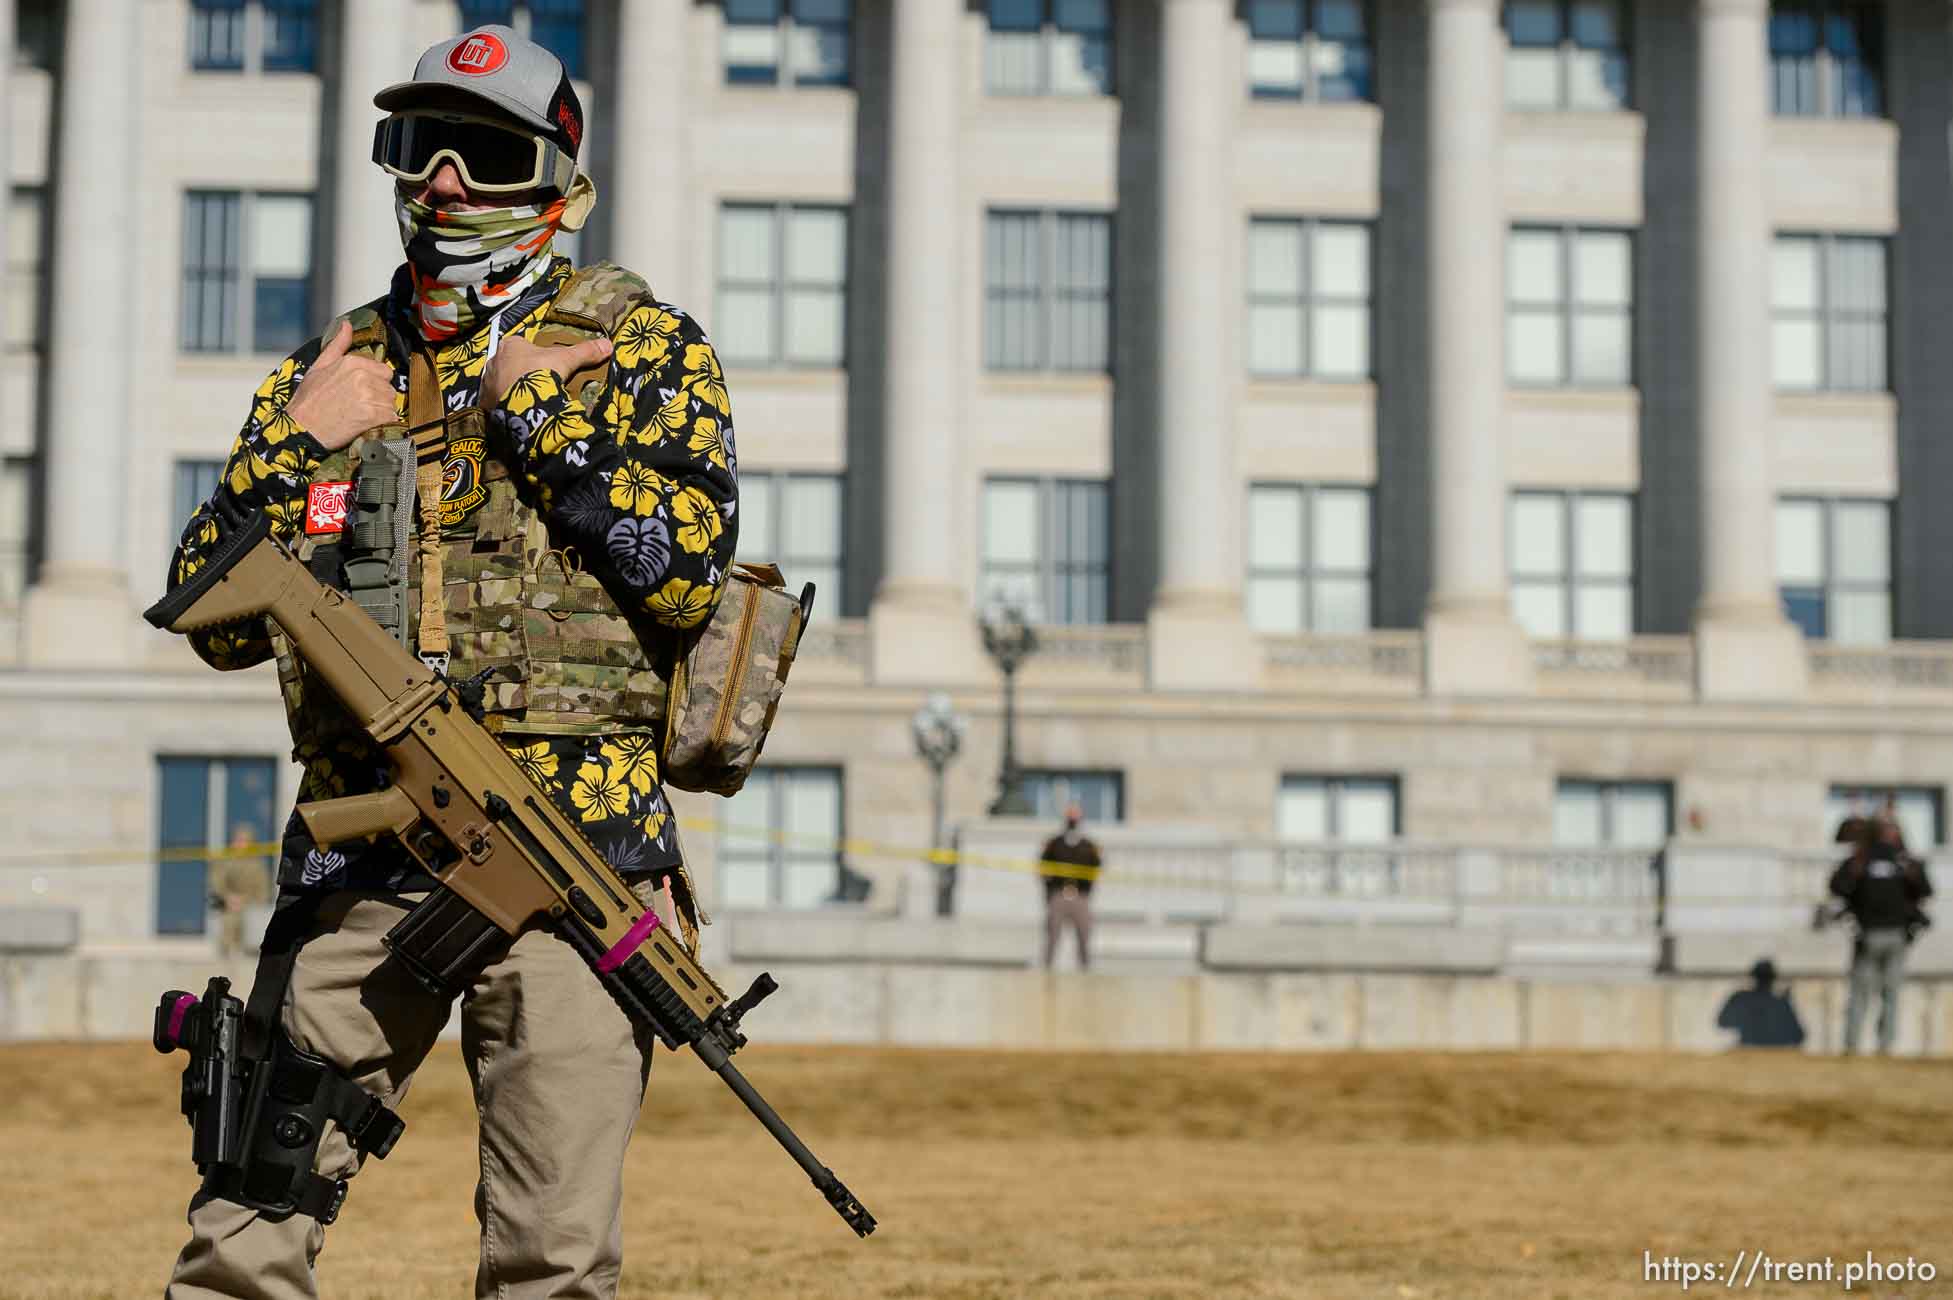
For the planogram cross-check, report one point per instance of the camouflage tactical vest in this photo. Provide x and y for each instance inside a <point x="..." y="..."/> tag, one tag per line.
<point x="567" y="661"/>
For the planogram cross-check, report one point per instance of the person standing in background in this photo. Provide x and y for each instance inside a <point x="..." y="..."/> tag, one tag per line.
<point x="1068" y="893"/>
<point x="238" y="880"/>
<point x="1882" y="888"/>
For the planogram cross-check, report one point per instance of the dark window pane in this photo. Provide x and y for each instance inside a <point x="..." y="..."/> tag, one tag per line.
<point x="195" y="483"/>
<point x="1793" y="58"/>
<point x="210" y="270"/>
<point x="1805" y="607"/>
<point x="1273" y="20"/>
<point x="1345" y="76"/>
<point x="1793" y="28"/>
<point x="1099" y="795"/>
<point x="1597" y="25"/>
<point x="1532" y="22"/>
<point x="37" y="42"/>
<point x="1852" y="35"/>
<point x="826" y="63"/>
<point x="250" y="786"/>
<point x="180" y="884"/>
<point x="1083" y="16"/>
<point x="279" y="322"/>
<point x="291" y="35"/>
<point x="557" y="26"/>
<point x="1016" y="15"/>
<point x="217" y="36"/>
<point x="1340" y="20"/>
<point x="476" y="13"/>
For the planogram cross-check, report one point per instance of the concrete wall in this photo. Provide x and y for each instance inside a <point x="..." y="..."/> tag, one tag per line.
<point x="940" y="1005"/>
<point x="847" y="978"/>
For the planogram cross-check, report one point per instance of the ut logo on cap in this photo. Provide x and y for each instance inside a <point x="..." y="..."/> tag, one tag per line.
<point x="478" y="56"/>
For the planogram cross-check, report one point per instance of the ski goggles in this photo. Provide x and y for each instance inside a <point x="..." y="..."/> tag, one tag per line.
<point x="493" y="158"/>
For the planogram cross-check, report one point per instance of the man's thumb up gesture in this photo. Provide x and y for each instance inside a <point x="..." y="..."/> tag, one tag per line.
<point x="342" y="396"/>
<point x="516" y="357"/>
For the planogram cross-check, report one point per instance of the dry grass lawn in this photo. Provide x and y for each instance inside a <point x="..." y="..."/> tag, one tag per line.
<point x="1396" y="1177"/>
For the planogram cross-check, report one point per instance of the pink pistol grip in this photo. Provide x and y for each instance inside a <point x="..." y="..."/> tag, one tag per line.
<point x="177" y="1013"/>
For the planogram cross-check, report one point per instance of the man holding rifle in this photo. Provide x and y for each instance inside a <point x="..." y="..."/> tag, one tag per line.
<point x="527" y="476"/>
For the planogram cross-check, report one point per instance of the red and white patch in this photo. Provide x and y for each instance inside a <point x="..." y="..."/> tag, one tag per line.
<point x="325" y="508"/>
<point x="478" y="56"/>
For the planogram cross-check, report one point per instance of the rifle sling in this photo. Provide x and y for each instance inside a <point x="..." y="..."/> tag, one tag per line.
<point x="425" y="417"/>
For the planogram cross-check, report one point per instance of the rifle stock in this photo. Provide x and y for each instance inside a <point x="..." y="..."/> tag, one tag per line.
<point x="507" y="859"/>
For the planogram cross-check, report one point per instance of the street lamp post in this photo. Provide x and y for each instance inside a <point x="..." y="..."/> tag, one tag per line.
<point x="938" y="736"/>
<point x="1009" y="640"/>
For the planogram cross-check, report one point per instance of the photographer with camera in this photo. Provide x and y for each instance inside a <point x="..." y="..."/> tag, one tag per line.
<point x="1882" y="888"/>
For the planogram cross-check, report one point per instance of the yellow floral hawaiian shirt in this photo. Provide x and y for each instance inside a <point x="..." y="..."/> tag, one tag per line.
<point x="646" y="488"/>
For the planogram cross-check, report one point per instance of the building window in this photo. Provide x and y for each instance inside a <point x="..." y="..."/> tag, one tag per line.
<point x="227" y="308"/>
<point x="1569" y="307"/>
<point x="291" y="35"/>
<point x="217" y="40"/>
<point x="254" y="35"/>
<point x="1047" y="548"/>
<point x="37" y="34"/>
<point x="1049" y="47"/>
<point x="802" y="42"/>
<point x="1337" y="810"/>
<point x="1834" y="568"/>
<point x="1315" y="50"/>
<point x="26" y="267"/>
<point x="1309" y="298"/>
<point x="1826" y="59"/>
<point x="16" y="484"/>
<point x="1573" y="565"/>
<point x="1308" y="558"/>
<point x="194" y="482"/>
<point x="1920" y="810"/>
<point x="556" y="25"/>
<point x="780" y="845"/>
<point x="206" y="802"/>
<point x="1566" y="54"/>
<point x="1612" y="814"/>
<point x="1048" y="290"/>
<point x="1100" y="796"/>
<point x="794" y="521"/>
<point x="1827" y="308"/>
<point x="783" y="285"/>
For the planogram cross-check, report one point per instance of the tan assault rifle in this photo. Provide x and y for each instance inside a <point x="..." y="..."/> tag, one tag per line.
<point x="507" y="860"/>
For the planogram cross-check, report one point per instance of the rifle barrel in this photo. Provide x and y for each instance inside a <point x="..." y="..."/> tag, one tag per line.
<point x="852" y="1211"/>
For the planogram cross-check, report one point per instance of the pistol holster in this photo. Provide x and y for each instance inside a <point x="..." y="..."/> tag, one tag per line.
<point x="256" y="1103"/>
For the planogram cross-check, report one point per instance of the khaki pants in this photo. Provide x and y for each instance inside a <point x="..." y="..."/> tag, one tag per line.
<point x="1878" y="970"/>
<point x="1068" y="907"/>
<point x="558" y="1077"/>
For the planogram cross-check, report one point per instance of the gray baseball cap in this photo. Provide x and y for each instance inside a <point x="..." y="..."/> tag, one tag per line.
<point x="492" y="68"/>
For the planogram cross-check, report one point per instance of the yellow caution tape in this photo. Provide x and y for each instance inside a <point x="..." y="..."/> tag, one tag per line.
<point x="859" y="848"/>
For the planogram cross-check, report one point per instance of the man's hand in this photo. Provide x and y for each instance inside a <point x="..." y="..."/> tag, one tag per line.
<point x="516" y="357"/>
<point x="343" y="396"/>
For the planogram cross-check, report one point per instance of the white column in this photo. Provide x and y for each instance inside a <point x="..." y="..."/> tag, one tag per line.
<point x="1197" y="636"/>
<point x="647" y="192"/>
<point x="373" y="53"/>
<point x="921" y="624"/>
<point x="80" y="613"/>
<point x="1745" y="647"/>
<point x="1473" y="646"/>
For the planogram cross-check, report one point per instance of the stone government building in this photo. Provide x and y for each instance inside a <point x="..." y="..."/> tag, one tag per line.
<point x="1451" y="450"/>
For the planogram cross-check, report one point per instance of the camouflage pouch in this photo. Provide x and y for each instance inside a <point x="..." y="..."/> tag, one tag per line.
<point x="727" y="683"/>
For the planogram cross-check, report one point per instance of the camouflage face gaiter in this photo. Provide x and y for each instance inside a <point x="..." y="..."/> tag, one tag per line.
<point x="468" y="265"/>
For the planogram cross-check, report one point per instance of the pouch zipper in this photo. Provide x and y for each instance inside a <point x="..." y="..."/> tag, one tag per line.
<point x="747" y="618"/>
